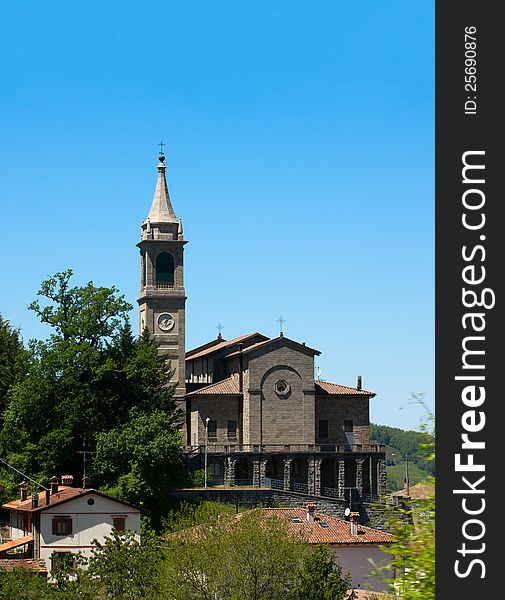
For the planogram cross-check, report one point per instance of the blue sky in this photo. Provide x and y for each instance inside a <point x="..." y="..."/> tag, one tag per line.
<point x="300" y="146"/>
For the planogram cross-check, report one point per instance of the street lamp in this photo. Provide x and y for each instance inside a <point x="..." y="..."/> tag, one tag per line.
<point x="206" y="440"/>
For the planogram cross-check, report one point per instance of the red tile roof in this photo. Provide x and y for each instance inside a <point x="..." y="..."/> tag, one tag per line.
<point x="220" y="346"/>
<point x="64" y="494"/>
<point x="33" y="564"/>
<point x="338" y="531"/>
<point x="335" y="389"/>
<point x="15" y="543"/>
<point x="420" y="491"/>
<point x="226" y="387"/>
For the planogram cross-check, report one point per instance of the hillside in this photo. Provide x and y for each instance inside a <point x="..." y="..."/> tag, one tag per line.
<point x="400" y="445"/>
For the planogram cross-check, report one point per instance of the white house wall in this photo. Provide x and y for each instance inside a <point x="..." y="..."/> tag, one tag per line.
<point x="88" y="523"/>
<point x="356" y="560"/>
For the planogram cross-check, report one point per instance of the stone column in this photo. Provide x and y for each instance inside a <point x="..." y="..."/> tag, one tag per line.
<point x="311" y="475"/>
<point x="341" y="478"/>
<point x="317" y="478"/>
<point x="256" y="472"/>
<point x="263" y="471"/>
<point x="375" y="480"/>
<point x="381" y="477"/>
<point x="229" y="473"/>
<point x="287" y="473"/>
<point x="359" y="475"/>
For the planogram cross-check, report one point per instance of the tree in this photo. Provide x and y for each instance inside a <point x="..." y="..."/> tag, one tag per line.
<point x="413" y="524"/>
<point x="123" y="567"/>
<point x="140" y="461"/>
<point x="321" y="579"/>
<point x="10" y="349"/>
<point x="84" y="380"/>
<point x="246" y="558"/>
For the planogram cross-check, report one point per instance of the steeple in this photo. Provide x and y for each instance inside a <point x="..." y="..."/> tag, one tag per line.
<point x="161" y="208"/>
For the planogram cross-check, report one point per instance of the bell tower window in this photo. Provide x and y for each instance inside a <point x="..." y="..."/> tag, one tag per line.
<point x="165" y="270"/>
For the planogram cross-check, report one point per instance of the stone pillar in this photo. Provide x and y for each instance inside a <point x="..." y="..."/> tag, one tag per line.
<point x="229" y="471"/>
<point x="317" y="478"/>
<point x="341" y="478"/>
<point x="263" y="471"/>
<point x="287" y="473"/>
<point x="359" y="475"/>
<point x="374" y="477"/>
<point x="311" y="475"/>
<point x="256" y="472"/>
<point x="381" y="477"/>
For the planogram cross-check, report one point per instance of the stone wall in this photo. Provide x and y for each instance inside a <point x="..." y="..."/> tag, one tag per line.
<point x="337" y="410"/>
<point x="371" y="514"/>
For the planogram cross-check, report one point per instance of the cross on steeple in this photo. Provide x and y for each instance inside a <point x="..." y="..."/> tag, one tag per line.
<point x="280" y="320"/>
<point x="220" y="328"/>
<point x="161" y="144"/>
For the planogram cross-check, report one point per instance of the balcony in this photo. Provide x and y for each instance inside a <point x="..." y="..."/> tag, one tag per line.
<point x="213" y="448"/>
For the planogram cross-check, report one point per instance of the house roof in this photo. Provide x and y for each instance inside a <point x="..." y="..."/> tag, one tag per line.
<point x="226" y="387"/>
<point x="64" y="494"/>
<point x="420" y="491"/>
<point x="335" y="389"/>
<point x="15" y="543"/>
<point x="205" y="350"/>
<point x="337" y="531"/>
<point x="33" y="564"/>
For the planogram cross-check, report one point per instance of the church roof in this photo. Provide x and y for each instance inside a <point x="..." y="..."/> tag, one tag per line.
<point x="205" y="349"/>
<point x="161" y="208"/>
<point x="270" y="341"/>
<point x="335" y="389"/>
<point x="226" y="387"/>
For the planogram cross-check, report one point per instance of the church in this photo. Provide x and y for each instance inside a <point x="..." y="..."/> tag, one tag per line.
<point x="253" y="408"/>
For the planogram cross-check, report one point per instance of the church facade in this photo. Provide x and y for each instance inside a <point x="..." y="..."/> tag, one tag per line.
<point x="252" y="404"/>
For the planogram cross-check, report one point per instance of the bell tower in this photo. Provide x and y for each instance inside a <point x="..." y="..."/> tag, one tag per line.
<point x="162" y="298"/>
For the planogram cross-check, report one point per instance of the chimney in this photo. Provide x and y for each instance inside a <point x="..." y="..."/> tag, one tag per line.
<point x="35" y="501"/>
<point x="48" y="497"/>
<point x="55" y="482"/>
<point x="67" y="480"/>
<point x="85" y="482"/>
<point x="354" y="523"/>
<point x="23" y="487"/>
<point x="358" y="384"/>
<point x="310" y="512"/>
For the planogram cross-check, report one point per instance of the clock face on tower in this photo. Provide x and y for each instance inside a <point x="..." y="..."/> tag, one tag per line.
<point x="166" y="321"/>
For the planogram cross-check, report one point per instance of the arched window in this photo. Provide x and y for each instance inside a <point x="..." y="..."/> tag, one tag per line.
<point x="164" y="268"/>
<point x="144" y="270"/>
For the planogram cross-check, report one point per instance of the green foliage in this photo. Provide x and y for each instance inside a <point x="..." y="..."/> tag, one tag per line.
<point x="85" y="380"/>
<point x="11" y="349"/>
<point x="404" y="443"/>
<point x="396" y="476"/>
<point x="124" y="568"/>
<point x="21" y="584"/>
<point x="321" y="579"/>
<point x="198" y="478"/>
<point x="139" y="461"/>
<point x="196" y="513"/>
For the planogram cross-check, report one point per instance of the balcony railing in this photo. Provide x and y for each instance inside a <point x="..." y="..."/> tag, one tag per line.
<point x="165" y="285"/>
<point x="287" y="448"/>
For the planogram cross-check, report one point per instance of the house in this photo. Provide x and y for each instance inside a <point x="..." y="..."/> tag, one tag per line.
<point x="64" y="519"/>
<point x="252" y="403"/>
<point x="356" y="547"/>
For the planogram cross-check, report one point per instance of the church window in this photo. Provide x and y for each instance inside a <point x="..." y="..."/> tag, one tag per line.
<point x="165" y="268"/>
<point x="144" y="270"/>
<point x="323" y="428"/>
<point x="232" y="429"/>
<point x="212" y="428"/>
<point x="348" y="426"/>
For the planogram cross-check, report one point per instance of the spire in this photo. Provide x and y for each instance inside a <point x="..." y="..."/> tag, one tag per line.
<point x="161" y="208"/>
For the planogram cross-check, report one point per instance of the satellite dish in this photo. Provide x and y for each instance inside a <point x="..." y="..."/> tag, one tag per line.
<point x="347" y="511"/>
